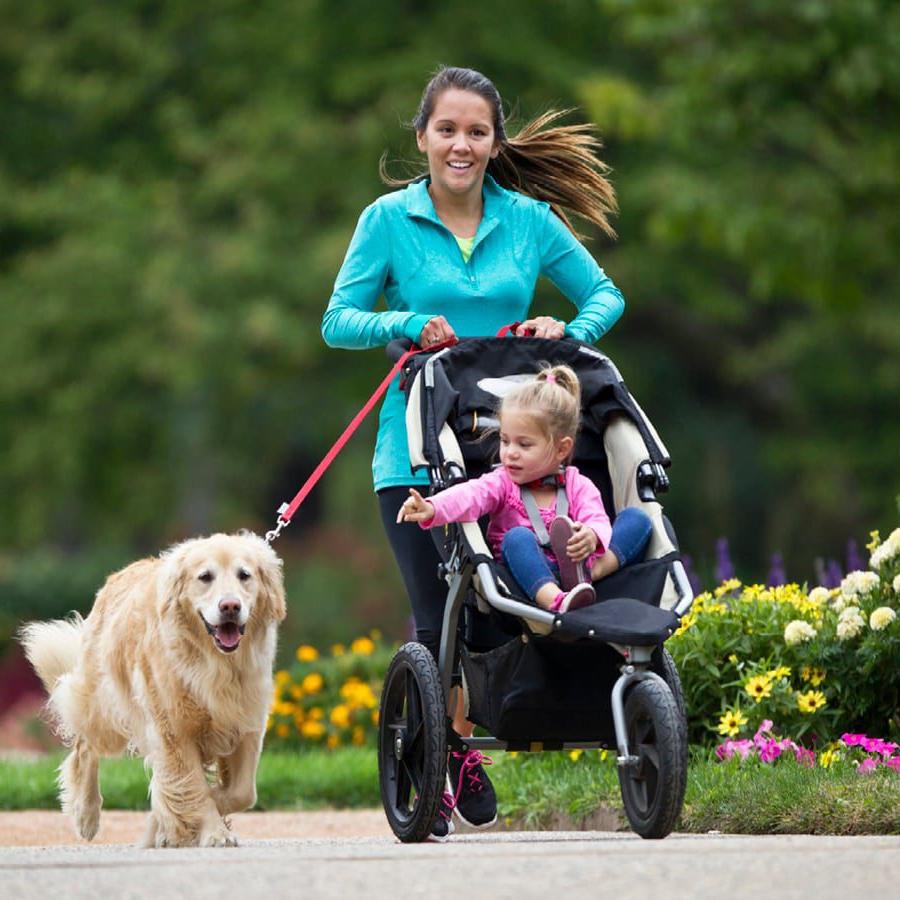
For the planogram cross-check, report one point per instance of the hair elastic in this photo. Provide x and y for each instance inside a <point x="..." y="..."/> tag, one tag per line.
<point x="550" y="378"/>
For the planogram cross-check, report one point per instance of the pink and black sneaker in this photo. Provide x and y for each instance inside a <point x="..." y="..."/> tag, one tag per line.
<point x="473" y="793"/>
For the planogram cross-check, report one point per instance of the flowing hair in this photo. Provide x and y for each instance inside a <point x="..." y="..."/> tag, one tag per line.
<point x="558" y="164"/>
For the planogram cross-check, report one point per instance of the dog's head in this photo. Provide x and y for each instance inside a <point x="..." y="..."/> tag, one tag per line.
<point x="221" y="584"/>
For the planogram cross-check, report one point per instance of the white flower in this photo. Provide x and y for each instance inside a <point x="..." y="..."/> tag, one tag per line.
<point x="797" y="631"/>
<point x="850" y="623"/>
<point x="859" y="583"/>
<point x="897" y="585"/>
<point x="842" y="601"/>
<point x="887" y="550"/>
<point x="819" y="595"/>
<point x="881" y="618"/>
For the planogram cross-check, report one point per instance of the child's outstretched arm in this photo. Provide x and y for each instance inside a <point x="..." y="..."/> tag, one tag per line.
<point x="415" y="508"/>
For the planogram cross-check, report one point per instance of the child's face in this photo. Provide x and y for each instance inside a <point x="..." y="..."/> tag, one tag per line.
<point x="525" y="451"/>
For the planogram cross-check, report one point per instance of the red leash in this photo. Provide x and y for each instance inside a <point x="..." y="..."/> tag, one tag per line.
<point x="286" y="510"/>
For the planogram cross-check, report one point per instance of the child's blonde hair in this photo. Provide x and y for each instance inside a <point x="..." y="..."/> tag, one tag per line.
<point x="553" y="399"/>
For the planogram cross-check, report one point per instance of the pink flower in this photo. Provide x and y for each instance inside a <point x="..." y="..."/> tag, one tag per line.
<point x="730" y="748"/>
<point x="893" y="763"/>
<point x="805" y="757"/>
<point x="853" y="740"/>
<point x="867" y="766"/>
<point x="769" y="751"/>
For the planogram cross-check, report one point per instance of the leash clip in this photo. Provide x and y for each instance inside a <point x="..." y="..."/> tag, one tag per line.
<point x="281" y="524"/>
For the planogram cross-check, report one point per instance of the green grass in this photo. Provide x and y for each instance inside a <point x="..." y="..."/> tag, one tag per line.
<point x="537" y="790"/>
<point x="345" y="778"/>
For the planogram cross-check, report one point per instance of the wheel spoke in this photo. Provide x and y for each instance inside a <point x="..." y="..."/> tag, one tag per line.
<point x="404" y="787"/>
<point x="649" y="754"/>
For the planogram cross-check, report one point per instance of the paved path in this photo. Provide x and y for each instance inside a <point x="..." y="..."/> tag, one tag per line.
<point x="549" y="865"/>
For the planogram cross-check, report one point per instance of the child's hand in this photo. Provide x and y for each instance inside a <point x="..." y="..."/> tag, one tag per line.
<point x="582" y="543"/>
<point x="415" y="508"/>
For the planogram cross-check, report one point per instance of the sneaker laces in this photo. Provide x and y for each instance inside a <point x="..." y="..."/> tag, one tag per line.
<point x="446" y="806"/>
<point x="472" y="761"/>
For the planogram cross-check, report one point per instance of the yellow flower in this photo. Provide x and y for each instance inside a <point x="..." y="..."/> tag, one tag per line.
<point x="282" y="676"/>
<point x="731" y="722"/>
<point x="316" y="713"/>
<point x="813" y="674"/>
<point x="282" y="730"/>
<point x="338" y="649"/>
<point x="575" y="754"/>
<point x="780" y="672"/>
<point x="810" y="701"/>
<point x="374" y="716"/>
<point x="358" y="737"/>
<point x="733" y="658"/>
<point x="375" y="634"/>
<point x="364" y="646"/>
<point x="311" y="729"/>
<point x="305" y="653"/>
<point x="604" y="754"/>
<point x="828" y="756"/>
<point x="758" y="687"/>
<point x="727" y="586"/>
<point x="875" y="540"/>
<point x="340" y="716"/>
<point x="296" y="691"/>
<point x="332" y="741"/>
<point x="312" y="683"/>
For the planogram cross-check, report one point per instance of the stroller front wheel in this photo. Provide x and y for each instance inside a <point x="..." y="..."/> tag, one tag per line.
<point x="653" y="789"/>
<point x="412" y="743"/>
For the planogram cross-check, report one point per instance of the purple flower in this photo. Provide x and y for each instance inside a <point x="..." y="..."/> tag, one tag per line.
<point x="777" y="574"/>
<point x="833" y="574"/>
<point x="724" y="566"/>
<point x="855" y="562"/>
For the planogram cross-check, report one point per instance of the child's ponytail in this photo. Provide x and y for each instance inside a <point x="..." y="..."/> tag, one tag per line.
<point x="553" y="399"/>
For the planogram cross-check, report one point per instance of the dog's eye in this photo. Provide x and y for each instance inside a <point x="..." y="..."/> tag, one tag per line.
<point x="243" y="574"/>
<point x="206" y="576"/>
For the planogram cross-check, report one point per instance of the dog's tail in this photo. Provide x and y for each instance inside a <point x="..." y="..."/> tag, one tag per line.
<point x="52" y="647"/>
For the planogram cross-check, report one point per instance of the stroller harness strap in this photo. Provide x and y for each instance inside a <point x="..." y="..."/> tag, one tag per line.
<point x="534" y="512"/>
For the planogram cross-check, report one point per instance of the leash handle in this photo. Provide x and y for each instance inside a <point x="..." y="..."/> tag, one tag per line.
<point x="286" y="510"/>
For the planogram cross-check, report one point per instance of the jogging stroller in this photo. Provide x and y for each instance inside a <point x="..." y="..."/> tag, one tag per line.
<point x="534" y="680"/>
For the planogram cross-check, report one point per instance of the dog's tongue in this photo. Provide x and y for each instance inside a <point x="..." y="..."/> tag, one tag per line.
<point x="228" y="634"/>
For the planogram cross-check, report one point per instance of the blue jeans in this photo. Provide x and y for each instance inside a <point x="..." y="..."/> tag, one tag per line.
<point x="528" y="564"/>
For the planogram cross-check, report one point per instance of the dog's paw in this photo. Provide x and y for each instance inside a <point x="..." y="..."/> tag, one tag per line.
<point x="87" y="819"/>
<point x="217" y="836"/>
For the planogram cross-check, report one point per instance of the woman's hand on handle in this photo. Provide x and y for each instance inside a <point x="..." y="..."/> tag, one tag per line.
<point x="415" y="508"/>
<point x="435" y="331"/>
<point x="542" y="327"/>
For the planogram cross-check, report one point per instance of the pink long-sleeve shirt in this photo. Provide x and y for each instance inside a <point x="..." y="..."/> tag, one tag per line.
<point x="498" y="496"/>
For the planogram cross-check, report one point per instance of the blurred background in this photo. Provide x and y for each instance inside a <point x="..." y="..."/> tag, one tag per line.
<point x="178" y="185"/>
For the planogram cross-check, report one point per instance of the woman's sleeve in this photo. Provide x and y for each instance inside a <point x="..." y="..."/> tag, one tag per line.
<point x="350" y="321"/>
<point x="589" y="509"/>
<point x="469" y="501"/>
<point x="566" y="262"/>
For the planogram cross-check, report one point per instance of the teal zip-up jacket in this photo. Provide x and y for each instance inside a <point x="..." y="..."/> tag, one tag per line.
<point x="402" y="250"/>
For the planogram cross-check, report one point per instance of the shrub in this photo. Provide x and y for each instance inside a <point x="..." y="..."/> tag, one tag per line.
<point x="330" y="700"/>
<point x="818" y="662"/>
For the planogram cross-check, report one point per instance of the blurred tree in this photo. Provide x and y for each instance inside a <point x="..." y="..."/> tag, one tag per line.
<point x="178" y="184"/>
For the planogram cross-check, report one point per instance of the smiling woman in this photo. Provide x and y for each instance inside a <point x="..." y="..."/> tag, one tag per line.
<point x="457" y="253"/>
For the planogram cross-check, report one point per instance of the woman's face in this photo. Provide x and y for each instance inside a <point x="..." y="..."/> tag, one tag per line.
<point x="459" y="141"/>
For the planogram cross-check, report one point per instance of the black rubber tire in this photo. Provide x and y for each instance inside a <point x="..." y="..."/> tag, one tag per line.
<point x="653" y="790"/>
<point x="412" y="743"/>
<point x="664" y="666"/>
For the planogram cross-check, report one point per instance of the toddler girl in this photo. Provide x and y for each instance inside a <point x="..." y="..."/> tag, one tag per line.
<point x="547" y="520"/>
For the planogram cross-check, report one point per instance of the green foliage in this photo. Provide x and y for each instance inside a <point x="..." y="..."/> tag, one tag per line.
<point x="816" y="664"/>
<point x="178" y="186"/>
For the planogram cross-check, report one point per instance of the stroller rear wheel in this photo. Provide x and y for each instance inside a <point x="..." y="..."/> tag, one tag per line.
<point x="412" y="743"/>
<point x="653" y="788"/>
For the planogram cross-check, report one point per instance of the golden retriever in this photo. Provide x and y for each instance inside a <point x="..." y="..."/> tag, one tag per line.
<point x="174" y="663"/>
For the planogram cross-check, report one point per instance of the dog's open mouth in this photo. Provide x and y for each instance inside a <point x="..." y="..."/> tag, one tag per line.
<point x="227" y="635"/>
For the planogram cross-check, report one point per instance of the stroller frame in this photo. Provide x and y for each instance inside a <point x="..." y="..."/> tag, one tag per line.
<point x="469" y="571"/>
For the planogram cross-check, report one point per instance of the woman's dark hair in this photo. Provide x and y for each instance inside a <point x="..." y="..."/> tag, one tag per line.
<point x="555" y="163"/>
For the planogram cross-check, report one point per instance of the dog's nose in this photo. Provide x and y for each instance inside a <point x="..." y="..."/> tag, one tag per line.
<point x="229" y="606"/>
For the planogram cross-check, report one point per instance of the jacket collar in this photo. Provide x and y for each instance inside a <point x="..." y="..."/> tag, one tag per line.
<point x="420" y="206"/>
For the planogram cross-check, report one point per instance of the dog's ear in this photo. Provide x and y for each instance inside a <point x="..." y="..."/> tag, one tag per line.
<point x="271" y="582"/>
<point x="171" y="580"/>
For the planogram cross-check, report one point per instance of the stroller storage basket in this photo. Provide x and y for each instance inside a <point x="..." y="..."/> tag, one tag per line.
<point x="531" y="690"/>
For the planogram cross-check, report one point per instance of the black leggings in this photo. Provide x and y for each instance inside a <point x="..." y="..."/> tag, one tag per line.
<point x="418" y="560"/>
